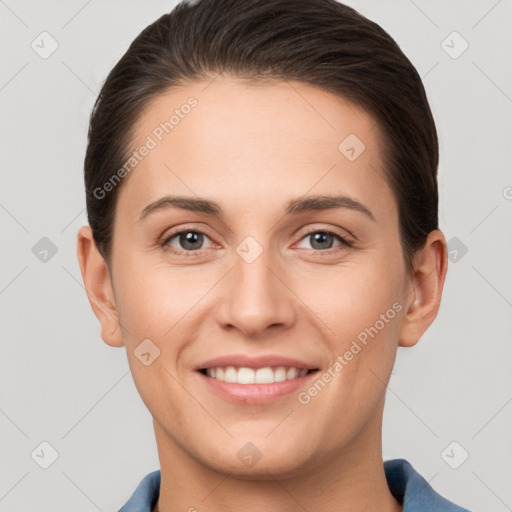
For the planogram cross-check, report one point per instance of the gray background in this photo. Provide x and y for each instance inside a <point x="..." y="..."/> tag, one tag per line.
<point x="60" y="383"/>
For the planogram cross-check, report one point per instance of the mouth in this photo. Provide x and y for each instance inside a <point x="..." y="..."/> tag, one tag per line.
<point x="243" y="385"/>
<point x="244" y="379"/>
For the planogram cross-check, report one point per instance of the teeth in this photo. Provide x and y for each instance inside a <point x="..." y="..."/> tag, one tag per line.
<point x="291" y="373"/>
<point x="280" y="374"/>
<point x="230" y="374"/>
<point x="262" y="375"/>
<point x="266" y="375"/>
<point x="246" y="376"/>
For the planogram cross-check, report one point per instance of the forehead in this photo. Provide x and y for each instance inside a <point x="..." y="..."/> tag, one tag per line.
<point x="275" y="139"/>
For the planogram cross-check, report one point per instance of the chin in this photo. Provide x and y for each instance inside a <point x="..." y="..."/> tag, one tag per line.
<point x="263" y="463"/>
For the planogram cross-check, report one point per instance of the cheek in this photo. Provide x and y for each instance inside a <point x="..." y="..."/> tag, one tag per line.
<point x="154" y="299"/>
<point x="162" y="305"/>
<point x="363" y="315"/>
<point x="360" y="311"/>
<point x="155" y="310"/>
<point x="349" y="298"/>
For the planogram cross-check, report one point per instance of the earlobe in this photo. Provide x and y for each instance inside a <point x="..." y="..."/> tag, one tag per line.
<point x="425" y="289"/>
<point x="97" y="282"/>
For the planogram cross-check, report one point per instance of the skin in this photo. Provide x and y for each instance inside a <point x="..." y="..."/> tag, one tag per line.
<point x="252" y="148"/>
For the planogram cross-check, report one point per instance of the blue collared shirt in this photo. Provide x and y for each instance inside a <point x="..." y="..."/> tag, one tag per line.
<point x="405" y="483"/>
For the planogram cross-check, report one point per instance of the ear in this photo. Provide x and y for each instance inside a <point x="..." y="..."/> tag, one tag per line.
<point x="98" y="285"/>
<point x="425" y="289"/>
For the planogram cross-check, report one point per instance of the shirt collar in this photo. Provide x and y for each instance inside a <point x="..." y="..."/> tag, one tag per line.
<point x="413" y="491"/>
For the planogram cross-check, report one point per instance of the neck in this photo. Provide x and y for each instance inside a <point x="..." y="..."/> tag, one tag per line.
<point x="352" y="479"/>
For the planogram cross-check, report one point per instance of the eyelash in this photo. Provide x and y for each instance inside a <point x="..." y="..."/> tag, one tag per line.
<point x="344" y="243"/>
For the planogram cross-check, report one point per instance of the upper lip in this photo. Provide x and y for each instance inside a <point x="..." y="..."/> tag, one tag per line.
<point x="240" y="360"/>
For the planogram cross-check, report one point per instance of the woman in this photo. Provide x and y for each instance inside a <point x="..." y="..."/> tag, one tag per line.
<point x="261" y="183"/>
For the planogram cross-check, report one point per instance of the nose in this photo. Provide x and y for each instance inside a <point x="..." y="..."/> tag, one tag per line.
<point x="257" y="297"/>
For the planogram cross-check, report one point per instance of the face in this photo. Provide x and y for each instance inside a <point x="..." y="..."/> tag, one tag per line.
<point x="252" y="272"/>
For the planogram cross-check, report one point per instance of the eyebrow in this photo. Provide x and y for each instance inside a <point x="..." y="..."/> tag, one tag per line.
<point x="294" y="207"/>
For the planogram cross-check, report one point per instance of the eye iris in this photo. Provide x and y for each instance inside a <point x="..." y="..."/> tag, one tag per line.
<point x="190" y="239"/>
<point x="320" y="238"/>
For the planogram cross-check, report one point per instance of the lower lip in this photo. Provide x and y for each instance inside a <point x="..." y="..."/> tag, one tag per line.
<point x="254" y="393"/>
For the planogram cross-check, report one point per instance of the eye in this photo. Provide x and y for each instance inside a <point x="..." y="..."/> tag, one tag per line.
<point x="323" y="240"/>
<point x="188" y="241"/>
